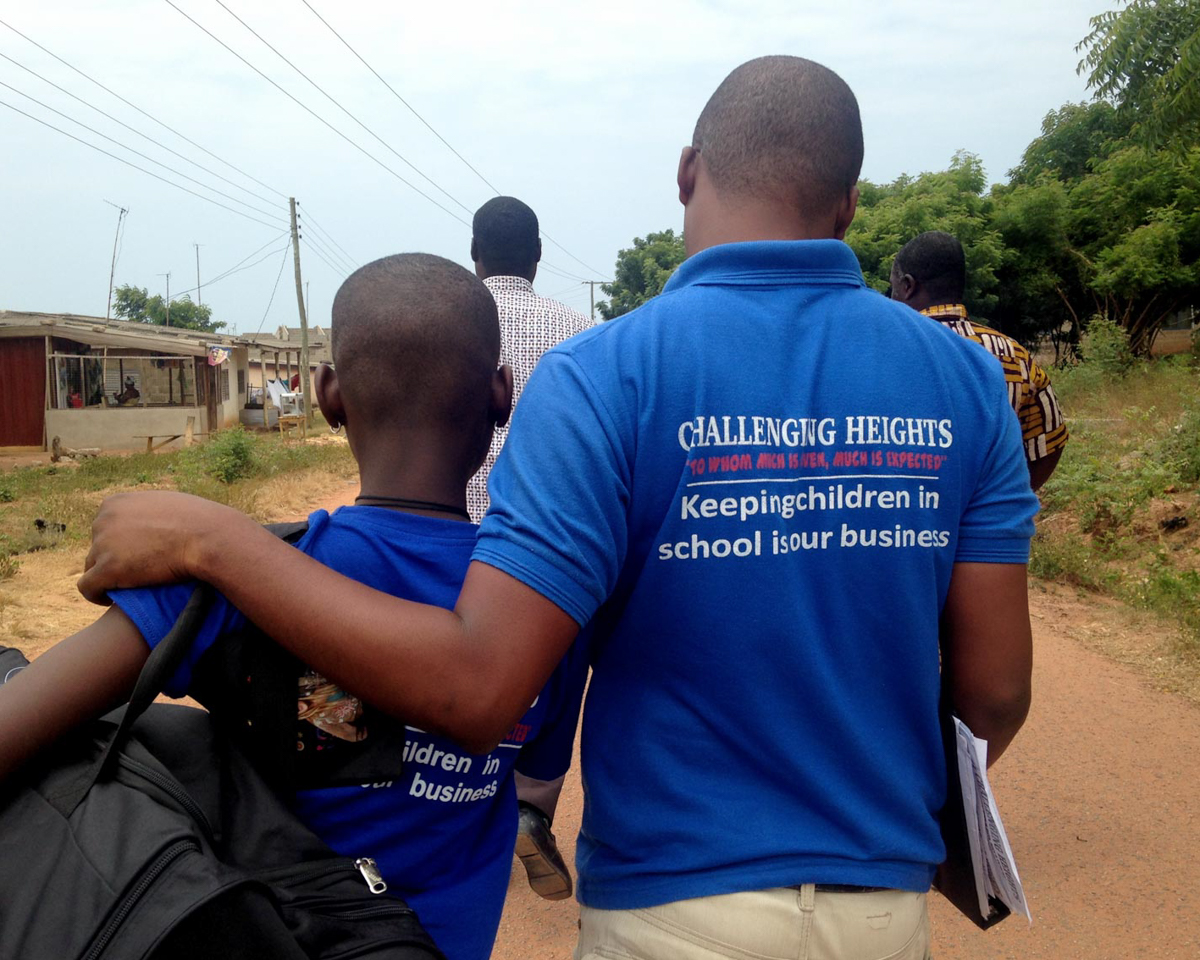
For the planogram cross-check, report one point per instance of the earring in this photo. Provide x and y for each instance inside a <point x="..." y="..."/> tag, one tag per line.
<point x="335" y="430"/>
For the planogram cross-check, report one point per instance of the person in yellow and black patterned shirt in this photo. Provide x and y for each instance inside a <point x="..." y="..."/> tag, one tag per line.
<point x="929" y="274"/>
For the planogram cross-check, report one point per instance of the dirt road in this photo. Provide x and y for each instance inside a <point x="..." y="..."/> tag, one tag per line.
<point x="1098" y="793"/>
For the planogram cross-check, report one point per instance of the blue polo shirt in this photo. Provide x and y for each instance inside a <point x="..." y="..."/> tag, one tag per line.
<point x="759" y="483"/>
<point x="442" y="829"/>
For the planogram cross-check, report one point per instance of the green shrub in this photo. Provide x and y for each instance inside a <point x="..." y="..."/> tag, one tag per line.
<point x="1181" y="447"/>
<point x="229" y="456"/>
<point x="1105" y="345"/>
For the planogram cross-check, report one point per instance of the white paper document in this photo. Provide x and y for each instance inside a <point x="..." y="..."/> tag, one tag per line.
<point x="995" y="868"/>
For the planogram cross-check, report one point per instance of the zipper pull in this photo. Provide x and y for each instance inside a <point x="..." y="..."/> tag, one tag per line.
<point x="370" y="873"/>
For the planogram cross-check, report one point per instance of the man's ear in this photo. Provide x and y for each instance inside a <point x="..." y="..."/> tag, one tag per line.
<point x="905" y="288"/>
<point x="686" y="176"/>
<point x="329" y="396"/>
<point x="474" y="251"/>
<point x="845" y="213"/>
<point x="502" y="395"/>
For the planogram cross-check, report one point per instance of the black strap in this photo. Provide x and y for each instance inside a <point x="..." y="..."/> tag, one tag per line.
<point x="160" y="666"/>
<point x="164" y="660"/>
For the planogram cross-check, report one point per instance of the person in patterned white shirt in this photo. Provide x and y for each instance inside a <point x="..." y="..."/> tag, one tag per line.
<point x="506" y="249"/>
<point x="930" y="275"/>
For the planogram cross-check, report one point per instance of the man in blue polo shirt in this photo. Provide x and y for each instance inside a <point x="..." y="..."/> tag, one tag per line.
<point x="768" y="488"/>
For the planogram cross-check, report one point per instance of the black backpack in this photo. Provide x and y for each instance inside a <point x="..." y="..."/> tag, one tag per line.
<point x="149" y="835"/>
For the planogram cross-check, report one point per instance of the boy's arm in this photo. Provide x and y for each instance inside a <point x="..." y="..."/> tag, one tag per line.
<point x="468" y="673"/>
<point x="77" y="680"/>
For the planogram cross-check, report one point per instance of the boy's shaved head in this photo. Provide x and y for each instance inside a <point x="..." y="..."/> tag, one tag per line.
<point x="784" y="129"/>
<point x="415" y="338"/>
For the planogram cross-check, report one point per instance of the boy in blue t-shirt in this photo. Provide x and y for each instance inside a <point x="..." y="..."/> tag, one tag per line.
<point x="416" y="383"/>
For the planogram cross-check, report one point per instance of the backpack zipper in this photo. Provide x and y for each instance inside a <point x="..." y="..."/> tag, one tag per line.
<point x="130" y="900"/>
<point x="364" y="866"/>
<point x="172" y="789"/>
<point x="370" y="873"/>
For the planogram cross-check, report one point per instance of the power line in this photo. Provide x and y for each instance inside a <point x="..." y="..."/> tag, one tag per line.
<point x="92" y="106"/>
<point x="307" y="109"/>
<point x="312" y="241"/>
<point x="148" y="173"/>
<point x="272" y="300"/>
<point x="237" y="267"/>
<point x="338" y="271"/>
<point x="558" y="271"/>
<point x="332" y="100"/>
<point x="323" y="231"/>
<point x="141" y="111"/>
<point x="429" y="126"/>
<point x="178" y="173"/>
<point x="408" y="105"/>
<point x="336" y="258"/>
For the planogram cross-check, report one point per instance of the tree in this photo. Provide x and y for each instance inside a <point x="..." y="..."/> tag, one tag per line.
<point x="134" y="303"/>
<point x="952" y="200"/>
<point x="641" y="272"/>
<point x="1145" y="59"/>
<point x="1073" y="138"/>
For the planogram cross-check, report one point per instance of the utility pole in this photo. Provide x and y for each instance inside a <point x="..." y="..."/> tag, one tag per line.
<point x="121" y="211"/>
<point x="199" y="295"/>
<point x="305" y="387"/>
<point x="592" y="284"/>
<point x="307" y="300"/>
<point x="168" y="276"/>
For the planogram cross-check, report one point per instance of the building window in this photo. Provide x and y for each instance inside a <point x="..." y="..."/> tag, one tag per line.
<point x="241" y="383"/>
<point x="224" y="381"/>
<point x="120" y="380"/>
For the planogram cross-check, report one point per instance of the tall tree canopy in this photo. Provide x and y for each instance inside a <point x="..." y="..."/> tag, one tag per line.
<point x="953" y="200"/>
<point x="641" y="272"/>
<point x="134" y="303"/>
<point x="1145" y="59"/>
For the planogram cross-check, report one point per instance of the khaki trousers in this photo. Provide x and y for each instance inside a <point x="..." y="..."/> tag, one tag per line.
<point x="789" y="923"/>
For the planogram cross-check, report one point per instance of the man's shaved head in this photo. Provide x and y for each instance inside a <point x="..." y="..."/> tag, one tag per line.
<point x="505" y="238"/>
<point x="784" y="129"/>
<point x="935" y="260"/>
<point x="414" y="336"/>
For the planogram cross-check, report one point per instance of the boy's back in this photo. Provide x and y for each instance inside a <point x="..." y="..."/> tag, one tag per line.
<point x="442" y="830"/>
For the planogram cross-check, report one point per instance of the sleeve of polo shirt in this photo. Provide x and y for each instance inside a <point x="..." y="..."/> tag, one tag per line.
<point x="997" y="521"/>
<point x="560" y="491"/>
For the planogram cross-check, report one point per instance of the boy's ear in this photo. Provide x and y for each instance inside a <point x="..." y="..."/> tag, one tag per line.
<point x="685" y="176"/>
<point x="329" y="396"/>
<point x="502" y="395"/>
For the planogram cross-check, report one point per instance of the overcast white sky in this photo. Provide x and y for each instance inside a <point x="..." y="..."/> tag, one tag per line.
<point x="580" y="110"/>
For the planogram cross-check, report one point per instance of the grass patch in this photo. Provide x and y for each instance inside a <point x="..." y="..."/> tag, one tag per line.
<point x="236" y="467"/>
<point x="1121" y="515"/>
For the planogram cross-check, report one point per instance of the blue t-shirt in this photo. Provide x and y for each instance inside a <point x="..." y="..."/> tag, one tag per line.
<point x="442" y="832"/>
<point x="759" y="482"/>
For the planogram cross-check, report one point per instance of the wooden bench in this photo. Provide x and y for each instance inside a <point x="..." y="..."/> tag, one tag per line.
<point x="163" y="439"/>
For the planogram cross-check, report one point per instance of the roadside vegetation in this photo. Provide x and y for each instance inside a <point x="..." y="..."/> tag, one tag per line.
<point x="1121" y="515"/>
<point x="262" y="474"/>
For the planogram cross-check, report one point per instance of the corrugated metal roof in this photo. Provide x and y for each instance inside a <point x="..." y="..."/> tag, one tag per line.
<point x="100" y="332"/>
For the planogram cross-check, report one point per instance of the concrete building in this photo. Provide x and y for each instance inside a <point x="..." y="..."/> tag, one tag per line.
<point x="113" y="384"/>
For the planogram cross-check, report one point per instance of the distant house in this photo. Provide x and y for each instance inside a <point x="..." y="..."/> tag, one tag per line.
<point x="277" y="356"/>
<point x="110" y="383"/>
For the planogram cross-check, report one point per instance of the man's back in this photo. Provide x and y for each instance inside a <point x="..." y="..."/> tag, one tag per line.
<point x="777" y="532"/>
<point x="529" y="326"/>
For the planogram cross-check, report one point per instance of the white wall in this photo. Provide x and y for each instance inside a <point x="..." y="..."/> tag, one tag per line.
<point x="120" y="428"/>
